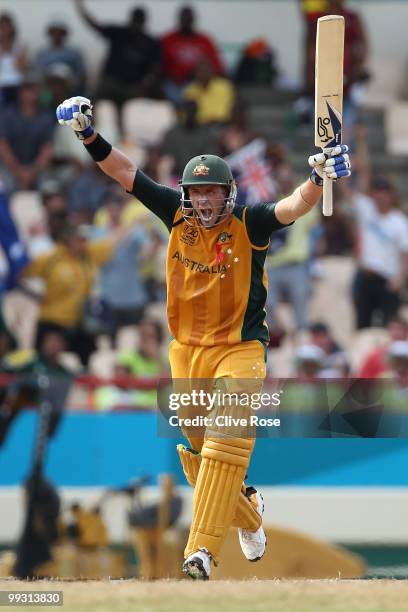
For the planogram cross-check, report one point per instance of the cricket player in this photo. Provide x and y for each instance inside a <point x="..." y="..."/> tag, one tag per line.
<point x="216" y="292"/>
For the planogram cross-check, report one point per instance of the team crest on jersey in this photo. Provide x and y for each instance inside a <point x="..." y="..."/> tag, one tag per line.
<point x="224" y="238"/>
<point x="189" y="235"/>
<point x="201" y="170"/>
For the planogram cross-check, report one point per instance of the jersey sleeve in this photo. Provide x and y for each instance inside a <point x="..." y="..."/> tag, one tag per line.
<point x="161" y="200"/>
<point x="38" y="267"/>
<point x="261" y="221"/>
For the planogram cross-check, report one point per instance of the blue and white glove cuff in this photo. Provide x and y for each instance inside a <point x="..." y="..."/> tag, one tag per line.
<point x="86" y="133"/>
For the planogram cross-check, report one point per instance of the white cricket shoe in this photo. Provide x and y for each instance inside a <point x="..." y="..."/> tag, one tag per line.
<point x="253" y="543"/>
<point x="198" y="565"/>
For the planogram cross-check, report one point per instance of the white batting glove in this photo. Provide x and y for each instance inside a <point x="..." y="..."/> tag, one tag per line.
<point x="77" y="113"/>
<point x="334" y="164"/>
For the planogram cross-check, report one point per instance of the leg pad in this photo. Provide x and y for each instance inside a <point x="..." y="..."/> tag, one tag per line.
<point x="246" y="515"/>
<point x="224" y="462"/>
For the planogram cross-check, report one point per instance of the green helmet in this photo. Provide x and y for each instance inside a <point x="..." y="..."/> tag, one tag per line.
<point x="207" y="170"/>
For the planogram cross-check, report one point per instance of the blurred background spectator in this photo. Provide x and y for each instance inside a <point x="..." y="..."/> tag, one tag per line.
<point x="257" y="65"/>
<point x="146" y="361"/>
<point x="122" y="290"/>
<point x="187" y="138"/>
<point x="133" y="63"/>
<point x="214" y="95"/>
<point x="25" y="138"/>
<point x="68" y="272"/>
<point x="382" y="255"/>
<point x="13" y="61"/>
<point x="59" y="53"/>
<point x="355" y="54"/>
<point x="182" y="50"/>
<point x="374" y="364"/>
<point x="288" y="270"/>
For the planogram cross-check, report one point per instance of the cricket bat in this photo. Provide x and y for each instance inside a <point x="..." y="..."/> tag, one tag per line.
<point x="329" y="92"/>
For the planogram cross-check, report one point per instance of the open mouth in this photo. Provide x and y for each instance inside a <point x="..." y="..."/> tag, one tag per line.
<point x="205" y="214"/>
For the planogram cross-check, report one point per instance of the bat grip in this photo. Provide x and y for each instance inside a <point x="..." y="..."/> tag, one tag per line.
<point x="327" y="193"/>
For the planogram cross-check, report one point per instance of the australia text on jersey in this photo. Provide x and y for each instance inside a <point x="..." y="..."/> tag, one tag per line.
<point x="197" y="266"/>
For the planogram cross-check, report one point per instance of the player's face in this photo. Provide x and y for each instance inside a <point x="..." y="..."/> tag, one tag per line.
<point x="208" y="202"/>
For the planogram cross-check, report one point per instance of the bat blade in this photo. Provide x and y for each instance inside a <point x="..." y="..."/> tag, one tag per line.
<point x="329" y="90"/>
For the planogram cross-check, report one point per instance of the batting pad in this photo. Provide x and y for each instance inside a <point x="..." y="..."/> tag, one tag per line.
<point x="246" y="515"/>
<point x="224" y="462"/>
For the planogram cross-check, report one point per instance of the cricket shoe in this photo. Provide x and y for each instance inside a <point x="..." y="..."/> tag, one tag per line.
<point x="253" y="543"/>
<point x="198" y="565"/>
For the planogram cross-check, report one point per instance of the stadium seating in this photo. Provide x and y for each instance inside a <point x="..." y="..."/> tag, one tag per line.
<point x="384" y="86"/>
<point x="107" y="121"/>
<point x="396" y="122"/>
<point x="146" y="121"/>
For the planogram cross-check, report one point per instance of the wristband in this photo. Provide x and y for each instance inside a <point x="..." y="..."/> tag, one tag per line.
<point x="98" y="149"/>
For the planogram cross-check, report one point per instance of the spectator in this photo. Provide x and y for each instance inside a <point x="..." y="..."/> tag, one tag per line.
<point x="148" y="359"/>
<point x="187" y="139"/>
<point x="146" y="362"/>
<point x="68" y="272"/>
<point x="288" y="270"/>
<point x="336" y="363"/>
<point x="321" y="336"/>
<point x="24" y="390"/>
<point x="182" y="50"/>
<point x="398" y="361"/>
<point x="278" y="158"/>
<point x="214" y="95"/>
<point x="47" y="360"/>
<point x="58" y="85"/>
<point x="236" y="134"/>
<point x="13" y="61"/>
<point x="133" y="64"/>
<point x="58" y="52"/>
<point x="25" y="139"/>
<point x="122" y="288"/>
<point x="375" y="363"/>
<point x="355" y="55"/>
<point x="355" y="43"/>
<point x="309" y="360"/>
<point x="88" y="189"/>
<point x="382" y="254"/>
<point x="303" y="404"/>
<point x="394" y="393"/>
<point x="257" y="64"/>
<point x="55" y="204"/>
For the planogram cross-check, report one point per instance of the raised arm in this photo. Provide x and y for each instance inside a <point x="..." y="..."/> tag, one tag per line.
<point x="86" y="16"/>
<point x="162" y="201"/>
<point x="116" y="165"/>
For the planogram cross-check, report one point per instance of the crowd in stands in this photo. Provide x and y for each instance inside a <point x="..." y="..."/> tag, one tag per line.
<point x="94" y="262"/>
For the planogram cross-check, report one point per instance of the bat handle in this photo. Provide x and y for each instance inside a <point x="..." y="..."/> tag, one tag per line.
<point x="327" y="193"/>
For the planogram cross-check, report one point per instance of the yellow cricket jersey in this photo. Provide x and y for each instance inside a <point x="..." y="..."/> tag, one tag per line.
<point x="68" y="280"/>
<point x="216" y="282"/>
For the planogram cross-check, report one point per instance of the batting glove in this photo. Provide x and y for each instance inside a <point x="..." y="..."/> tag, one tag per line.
<point x="334" y="164"/>
<point x="77" y="113"/>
